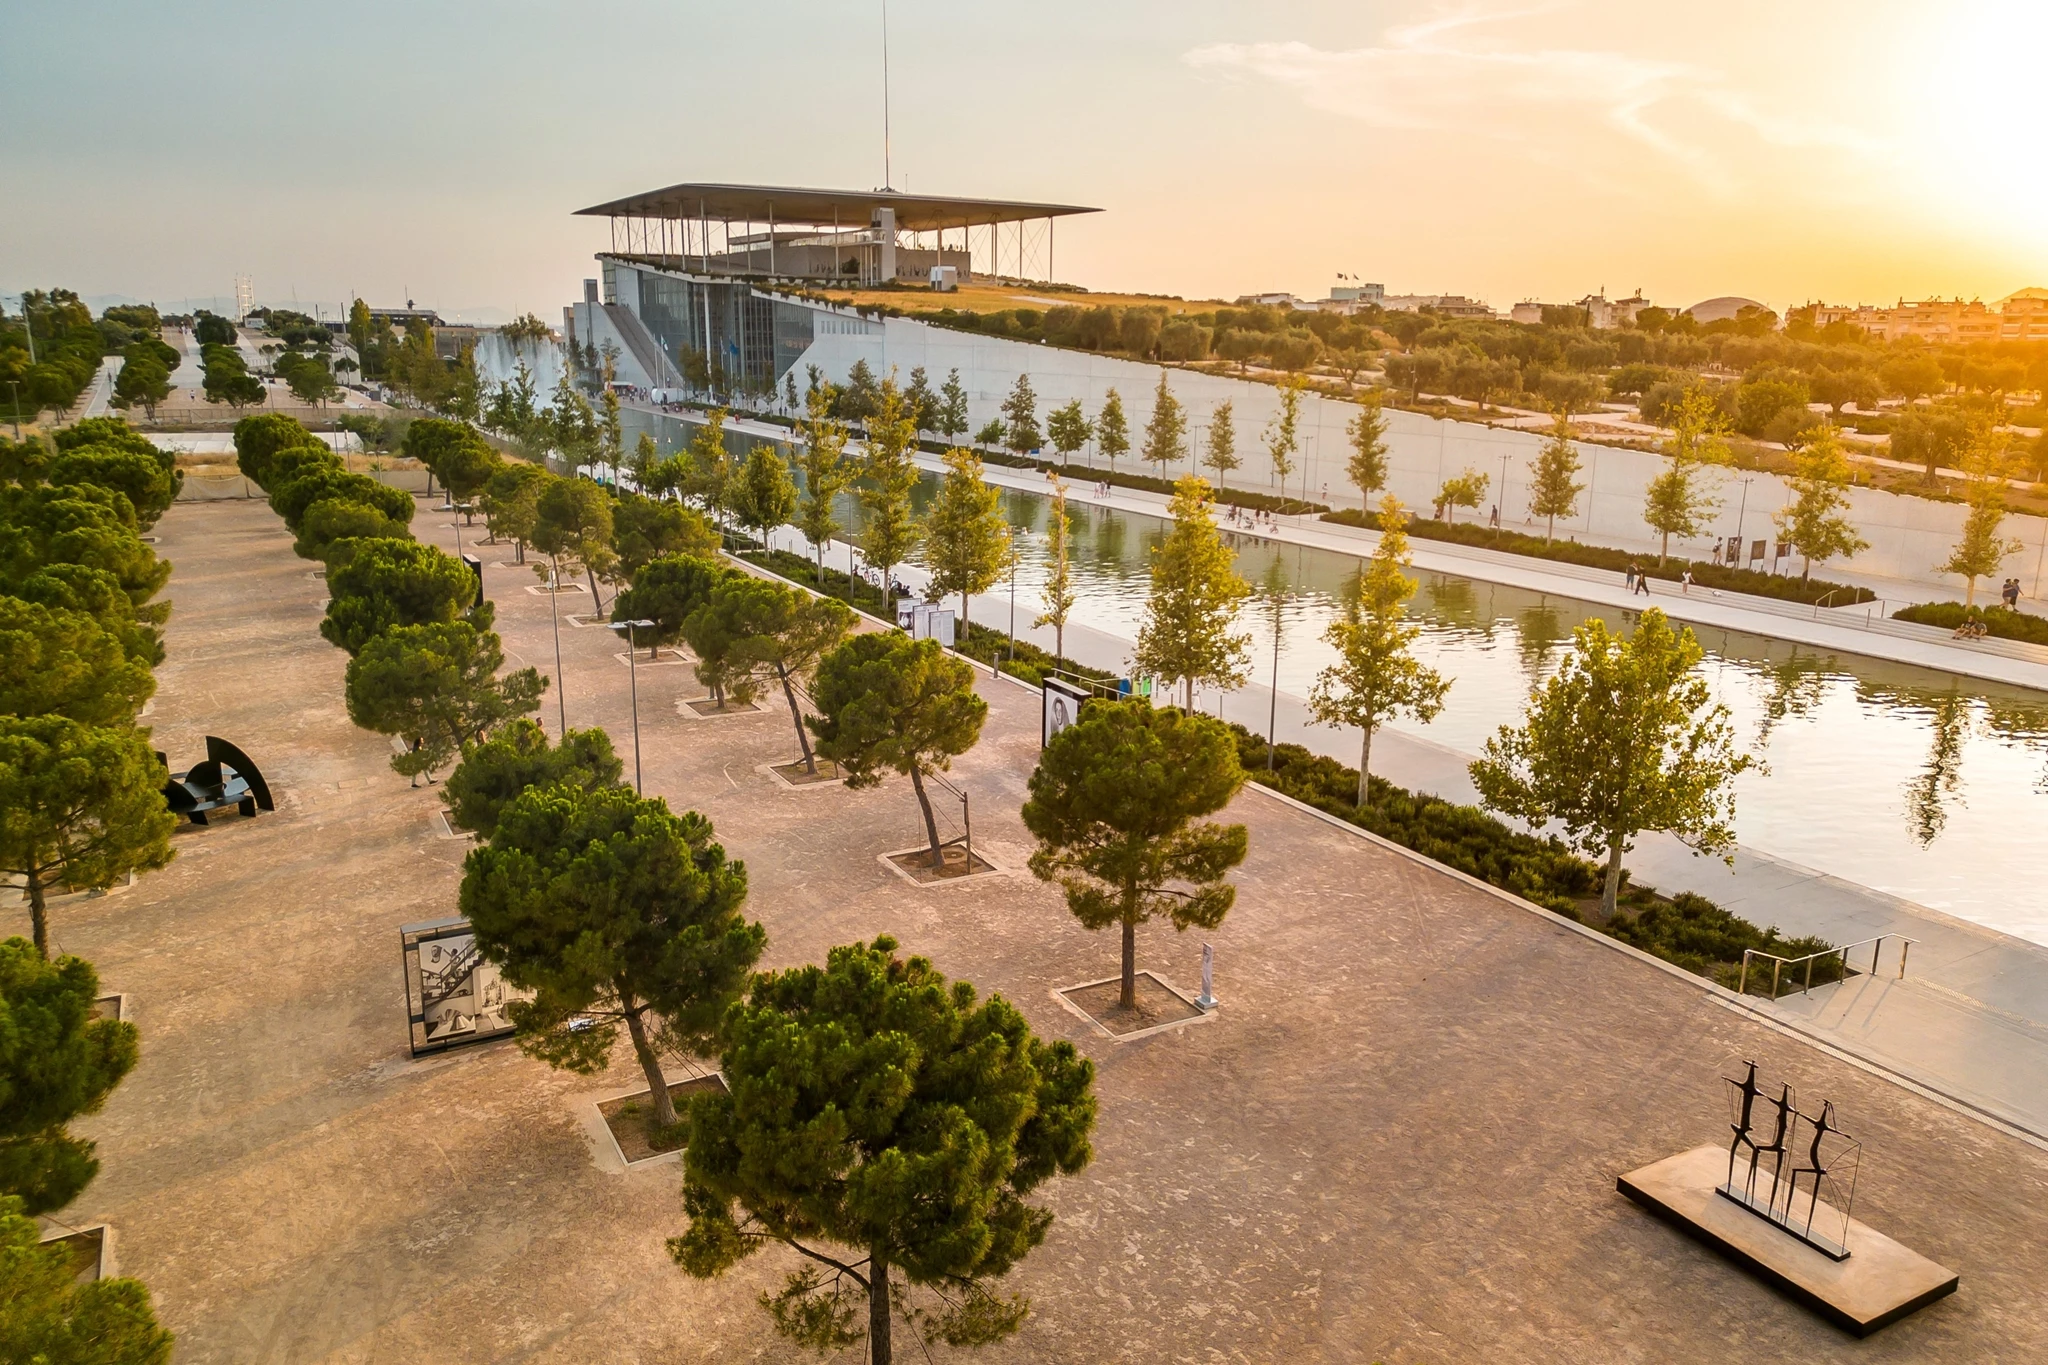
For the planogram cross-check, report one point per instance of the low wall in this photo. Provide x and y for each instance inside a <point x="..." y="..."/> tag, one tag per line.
<point x="1908" y="536"/>
<point x="220" y="487"/>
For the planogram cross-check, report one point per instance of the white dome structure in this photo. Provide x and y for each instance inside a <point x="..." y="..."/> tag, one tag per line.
<point x="1720" y="309"/>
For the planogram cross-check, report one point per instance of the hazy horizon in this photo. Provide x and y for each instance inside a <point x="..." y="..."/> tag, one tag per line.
<point x="1844" y="152"/>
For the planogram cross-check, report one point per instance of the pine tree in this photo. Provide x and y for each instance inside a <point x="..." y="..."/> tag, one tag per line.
<point x="1553" y="492"/>
<point x="58" y="1062"/>
<point x="770" y="633"/>
<point x="888" y="703"/>
<point x="1112" y="431"/>
<point x="438" y="686"/>
<point x="873" y="1105"/>
<point x="1020" y="417"/>
<point x="1196" y="593"/>
<point x="611" y="910"/>
<point x="826" y="476"/>
<point x="952" y="416"/>
<point x="1221" y="455"/>
<point x="80" y="807"/>
<point x="1166" y="433"/>
<point x="1113" y="805"/>
<point x="1059" y="578"/>
<point x="966" y="538"/>
<point x="492" y="775"/>
<point x="1376" y="677"/>
<point x="891" y="534"/>
<point x="1367" y="466"/>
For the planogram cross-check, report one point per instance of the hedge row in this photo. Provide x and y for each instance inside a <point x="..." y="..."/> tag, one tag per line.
<point x="1706" y="575"/>
<point x="983" y="643"/>
<point x="1236" y="497"/>
<point x="1686" y="930"/>
<point x="1997" y="621"/>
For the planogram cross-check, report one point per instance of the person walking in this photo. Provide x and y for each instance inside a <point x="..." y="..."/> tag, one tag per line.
<point x="1642" y="583"/>
<point x="1628" y="579"/>
<point x="1685" y="582"/>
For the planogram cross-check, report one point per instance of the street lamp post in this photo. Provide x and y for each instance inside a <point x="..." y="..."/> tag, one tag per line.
<point x="555" y="612"/>
<point x="633" y="668"/>
<point x="1741" y="510"/>
<point x="14" y="387"/>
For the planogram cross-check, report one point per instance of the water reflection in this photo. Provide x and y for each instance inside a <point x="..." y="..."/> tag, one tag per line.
<point x="1859" y="752"/>
<point x="1842" y="736"/>
<point x="1791" y="687"/>
<point x="1927" y="810"/>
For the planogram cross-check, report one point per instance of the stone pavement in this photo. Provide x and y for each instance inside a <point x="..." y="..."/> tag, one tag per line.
<point x="1970" y="1021"/>
<point x="1396" y="1140"/>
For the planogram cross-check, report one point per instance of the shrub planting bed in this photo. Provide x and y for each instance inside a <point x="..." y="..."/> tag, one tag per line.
<point x="1686" y="930"/>
<point x="984" y="644"/>
<point x="1997" y="621"/>
<point x="1706" y="575"/>
<point x="1236" y="497"/>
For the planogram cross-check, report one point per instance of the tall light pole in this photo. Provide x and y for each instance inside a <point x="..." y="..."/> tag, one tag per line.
<point x="1013" y="594"/>
<point x="633" y="668"/>
<point x="1275" y="593"/>
<point x="14" y="387"/>
<point x="555" y="611"/>
<point x="1741" y="510"/>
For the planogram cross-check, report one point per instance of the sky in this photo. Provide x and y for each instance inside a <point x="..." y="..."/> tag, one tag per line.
<point x="1785" y="150"/>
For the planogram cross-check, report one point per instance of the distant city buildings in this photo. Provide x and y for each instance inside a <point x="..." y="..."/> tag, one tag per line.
<point x="1449" y="305"/>
<point x="1601" y="312"/>
<point x="2022" y="316"/>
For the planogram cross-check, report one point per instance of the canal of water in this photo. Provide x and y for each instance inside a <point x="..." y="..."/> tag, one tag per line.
<point x="1921" y="784"/>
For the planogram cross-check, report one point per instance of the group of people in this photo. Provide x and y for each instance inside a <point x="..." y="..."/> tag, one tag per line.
<point x="1637" y="585"/>
<point x="1238" y="516"/>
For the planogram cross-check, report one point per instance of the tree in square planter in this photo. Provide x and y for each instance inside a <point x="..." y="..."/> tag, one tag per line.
<point x="886" y="1124"/>
<point x="612" y="910"/>
<point x="1114" y="804"/>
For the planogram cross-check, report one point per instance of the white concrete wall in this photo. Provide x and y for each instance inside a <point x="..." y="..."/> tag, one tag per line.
<point x="1908" y="536"/>
<point x="497" y="362"/>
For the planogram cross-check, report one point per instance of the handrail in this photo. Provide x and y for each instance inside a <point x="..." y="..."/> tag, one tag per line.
<point x="1778" y="964"/>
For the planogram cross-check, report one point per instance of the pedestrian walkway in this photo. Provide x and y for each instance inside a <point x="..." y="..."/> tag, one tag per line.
<point x="1856" y="630"/>
<point x="1970" y="1021"/>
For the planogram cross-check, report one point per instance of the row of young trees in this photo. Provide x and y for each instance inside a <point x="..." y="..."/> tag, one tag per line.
<point x="81" y="808"/>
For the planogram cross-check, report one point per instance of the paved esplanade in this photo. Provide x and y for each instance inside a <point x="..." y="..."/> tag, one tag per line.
<point x="1397" y="1141"/>
<point x="1971" y="1018"/>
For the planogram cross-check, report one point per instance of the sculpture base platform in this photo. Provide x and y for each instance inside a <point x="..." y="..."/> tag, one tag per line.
<point x="1878" y="1284"/>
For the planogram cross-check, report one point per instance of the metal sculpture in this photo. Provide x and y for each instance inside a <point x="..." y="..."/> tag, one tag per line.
<point x="228" y="777"/>
<point x="1770" y="1186"/>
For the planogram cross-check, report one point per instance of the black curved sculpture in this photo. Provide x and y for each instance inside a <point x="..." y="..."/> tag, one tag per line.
<point x="228" y="777"/>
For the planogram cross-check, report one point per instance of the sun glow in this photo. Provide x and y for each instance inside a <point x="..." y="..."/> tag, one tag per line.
<point x="1978" y="114"/>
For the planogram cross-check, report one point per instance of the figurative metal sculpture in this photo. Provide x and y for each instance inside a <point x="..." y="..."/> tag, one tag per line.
<point x="228" y="777"/>
<point x="1769" y="1186"/>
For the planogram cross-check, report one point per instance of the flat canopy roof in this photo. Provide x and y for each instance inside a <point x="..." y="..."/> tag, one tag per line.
<point x="848" y="208"/>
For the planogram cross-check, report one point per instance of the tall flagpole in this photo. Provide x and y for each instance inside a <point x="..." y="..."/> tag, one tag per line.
<point x="888" y="181"/>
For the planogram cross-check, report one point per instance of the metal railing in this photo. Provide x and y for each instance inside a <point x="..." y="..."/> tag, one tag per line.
<point x="1779" y="964"/>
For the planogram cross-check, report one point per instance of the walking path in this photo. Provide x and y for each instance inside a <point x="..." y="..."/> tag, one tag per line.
<point x="1970" y="1019"/>
<point x="1396" y="1139"/>
<point x="1849" y="630"/>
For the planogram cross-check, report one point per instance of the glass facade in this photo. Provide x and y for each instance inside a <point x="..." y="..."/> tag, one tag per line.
<point x="752" y="338"/>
